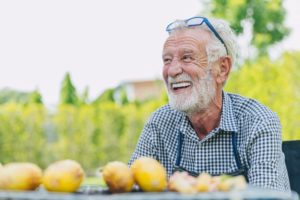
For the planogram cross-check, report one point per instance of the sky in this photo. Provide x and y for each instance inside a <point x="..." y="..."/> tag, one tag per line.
<point x="102" y="43"/>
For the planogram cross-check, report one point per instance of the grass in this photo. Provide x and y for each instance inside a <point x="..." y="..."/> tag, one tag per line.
<point x="97" y="181"/>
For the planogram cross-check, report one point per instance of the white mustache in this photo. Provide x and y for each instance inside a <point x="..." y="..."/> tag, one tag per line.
<point x="179" y="78"/>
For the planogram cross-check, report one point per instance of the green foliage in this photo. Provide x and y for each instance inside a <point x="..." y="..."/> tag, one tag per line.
<point x="96" y="133"/>
<point x="9" y="95"/>
<point x="84" y="97"/>
<point x="106" y="96"/>
<point x="35" y="97"/>
<point x="68" y="93"/>
<point x="122" y="96"/>
<point x="265" y="16"/>
<point x="22" y="132"/>
<point x="91" y="134"/>
<point x="275" y="84"/>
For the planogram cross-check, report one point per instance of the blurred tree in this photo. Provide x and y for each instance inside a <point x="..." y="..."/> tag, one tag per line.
<point x="35" y="97"/>
<point x="21" y="133"/>
<point x="9" y="95"/>
<point x="120" y="95"/>
<point x="84" y="97"/>
<point x="123" y="97"/>
<point x="277" y="85"/>
<point x="68" y="93"/>
<point x="265" y="17"/>
<point x="106" y="96"/>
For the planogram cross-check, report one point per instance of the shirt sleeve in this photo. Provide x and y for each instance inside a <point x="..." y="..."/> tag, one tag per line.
<point x="266" y="159"/>
<point x="146" y="144"/>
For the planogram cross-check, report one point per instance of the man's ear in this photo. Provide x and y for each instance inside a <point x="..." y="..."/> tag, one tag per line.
<point x="224" y="69"/>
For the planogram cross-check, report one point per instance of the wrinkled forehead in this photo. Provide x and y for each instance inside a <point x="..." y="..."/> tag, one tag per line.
<point x="192" y="36"/>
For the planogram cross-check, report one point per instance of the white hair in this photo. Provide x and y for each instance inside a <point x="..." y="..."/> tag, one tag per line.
<point x="216" y="49"/>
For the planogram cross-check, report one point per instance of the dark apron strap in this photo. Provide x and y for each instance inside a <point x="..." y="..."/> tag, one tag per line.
<point x="235" y="150"/>
<point x="179" y="147"/>
<point x="177" y="166"/>
<point x="242" y="170"/>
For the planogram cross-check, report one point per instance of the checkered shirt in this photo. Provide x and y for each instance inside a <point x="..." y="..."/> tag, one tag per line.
<point x="259" y="142"/>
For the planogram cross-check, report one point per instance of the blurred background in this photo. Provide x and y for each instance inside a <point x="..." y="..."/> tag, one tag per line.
<point x="80" y="78"/>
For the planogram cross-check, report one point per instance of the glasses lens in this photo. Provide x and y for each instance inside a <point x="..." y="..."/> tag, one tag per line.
<point x="195" y="21"/>
<point x="173" y="25"/>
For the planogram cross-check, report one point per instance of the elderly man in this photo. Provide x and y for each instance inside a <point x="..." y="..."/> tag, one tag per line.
<point x="203" y="128"/>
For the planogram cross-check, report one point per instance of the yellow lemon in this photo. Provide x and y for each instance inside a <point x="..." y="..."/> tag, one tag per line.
<point x="149" y="174"/>
<point x="118" y="177"/>
<point x="20" y="176"/>
<point x="63" y="176"/>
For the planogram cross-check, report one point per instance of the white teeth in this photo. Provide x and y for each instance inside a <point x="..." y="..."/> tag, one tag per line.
<point x="180" y="85"/>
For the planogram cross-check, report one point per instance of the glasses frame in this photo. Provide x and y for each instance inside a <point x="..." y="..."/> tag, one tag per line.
<point x="204" y="20"/>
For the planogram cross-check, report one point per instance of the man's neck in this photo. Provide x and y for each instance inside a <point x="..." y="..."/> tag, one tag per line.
<point x="204" y="122"/>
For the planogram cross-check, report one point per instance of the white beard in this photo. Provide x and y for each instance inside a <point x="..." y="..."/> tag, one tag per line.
<point x="200" y="97"/>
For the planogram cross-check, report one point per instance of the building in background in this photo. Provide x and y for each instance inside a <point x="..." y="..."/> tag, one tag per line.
<point x="140" y="90"/>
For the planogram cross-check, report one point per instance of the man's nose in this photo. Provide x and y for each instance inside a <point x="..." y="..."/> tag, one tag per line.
<point x="175" y="69"/>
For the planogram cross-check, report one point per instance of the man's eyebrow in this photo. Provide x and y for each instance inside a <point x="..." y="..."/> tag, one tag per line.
<point x="166" y="54"/>
<point x="188" y="51"/>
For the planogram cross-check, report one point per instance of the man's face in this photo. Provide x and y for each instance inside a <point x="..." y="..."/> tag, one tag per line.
<point x="189" y="80"/>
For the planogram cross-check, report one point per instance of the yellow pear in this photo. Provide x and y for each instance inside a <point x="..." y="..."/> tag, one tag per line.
<point x="204" y="182"/>
<point x="63" y="176"/>
<point x="149" y="174"/>
<point x="20" y="176"/>
<point x="118" y="177"/>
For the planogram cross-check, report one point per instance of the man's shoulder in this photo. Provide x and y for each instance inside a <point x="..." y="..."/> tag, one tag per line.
<point x="244" y="106"/>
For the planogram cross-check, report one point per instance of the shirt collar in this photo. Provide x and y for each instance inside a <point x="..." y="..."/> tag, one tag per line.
<point x="228" y="120"/>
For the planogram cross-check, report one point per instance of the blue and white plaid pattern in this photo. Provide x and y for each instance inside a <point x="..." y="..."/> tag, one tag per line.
<point x="258" y="139"/>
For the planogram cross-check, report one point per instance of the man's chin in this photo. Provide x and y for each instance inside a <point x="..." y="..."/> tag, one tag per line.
<point x="180" y="105"/>
<point x="188" y="109"/>
<point x="187" y="105"/>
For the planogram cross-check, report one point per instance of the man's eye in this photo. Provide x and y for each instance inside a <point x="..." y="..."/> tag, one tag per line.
<point x="167" y="60"/>
<point x="187" y="58"/>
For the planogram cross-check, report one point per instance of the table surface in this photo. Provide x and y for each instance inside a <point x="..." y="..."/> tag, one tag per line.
<point x="96" y="193"/>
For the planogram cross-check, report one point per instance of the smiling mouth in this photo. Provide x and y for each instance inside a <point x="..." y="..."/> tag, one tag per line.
<point x="180" y="85"/>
